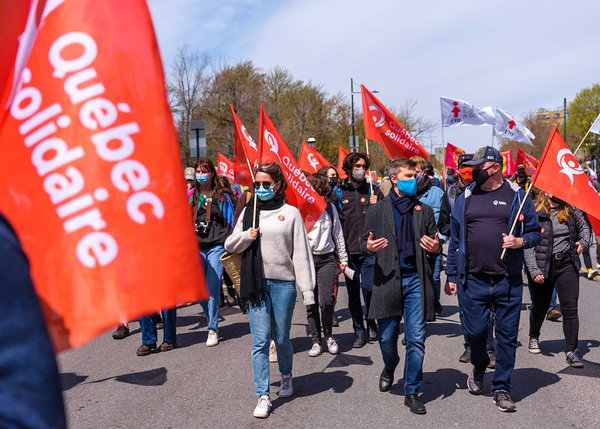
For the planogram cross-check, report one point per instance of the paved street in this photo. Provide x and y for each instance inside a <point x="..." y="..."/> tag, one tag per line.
<point x="107" y="386"/>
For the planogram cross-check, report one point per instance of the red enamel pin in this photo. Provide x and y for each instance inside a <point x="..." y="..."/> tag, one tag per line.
<point x="418" y="208"/>
<point x="543" y="230"/>
<point x="521" y="217"/>
<point x="281" y="217"/>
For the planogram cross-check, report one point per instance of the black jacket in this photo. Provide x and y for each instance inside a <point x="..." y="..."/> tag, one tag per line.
<point x="354" y="207"/>
<point x="448" y="200"/>
<point x="387" y="300"/>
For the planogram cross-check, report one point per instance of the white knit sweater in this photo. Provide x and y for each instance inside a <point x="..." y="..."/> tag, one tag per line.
<point x="284" y="247"/>
<point x="321" y="236"/>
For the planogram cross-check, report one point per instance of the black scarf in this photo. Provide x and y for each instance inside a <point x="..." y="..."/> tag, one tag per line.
<point x="252" y="277"/>
<point x="406" y="237"/>
<point x="424" y="186"/>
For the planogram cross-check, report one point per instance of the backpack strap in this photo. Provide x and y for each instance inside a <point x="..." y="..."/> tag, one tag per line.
<point x="339" y="195"/>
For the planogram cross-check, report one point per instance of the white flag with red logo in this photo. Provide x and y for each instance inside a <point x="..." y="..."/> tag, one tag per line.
<point x="382" y="126"/>
<point x="559" y="174"/>
<point x="457" y="113"/>
<point x="300" y="193"/>
<point x="507" y="127"/>
<point x="311" y="160"/>
<point x="226" y="166"/>
<point x="246" y="152"/>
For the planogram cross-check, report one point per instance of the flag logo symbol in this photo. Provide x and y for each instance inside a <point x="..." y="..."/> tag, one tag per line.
<point x="272" y="142"/>
<point x="248" y="137"/>
<point x="314" y="162"/>
<point x="570" y="167"/>
<point x="381" y="120"/>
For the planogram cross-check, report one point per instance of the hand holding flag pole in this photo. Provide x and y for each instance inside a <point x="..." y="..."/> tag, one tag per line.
<point x="512" y="229"/>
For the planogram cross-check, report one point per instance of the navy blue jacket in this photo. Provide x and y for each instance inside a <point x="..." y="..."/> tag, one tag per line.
<point x="529" y="229"/>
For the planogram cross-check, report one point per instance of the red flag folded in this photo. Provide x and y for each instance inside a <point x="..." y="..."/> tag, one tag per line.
<point x="381" y="126"/>
<point x="343" y="154"/>
<point x="508" y="167"/>
<point x="311" y="160"/>
<point x="528" y="161"/>
<point x="245" y="151"/>
<point x="560" y="174"/>
<point x="226" y="166"/>
<point x="452" y="153"/>
<point x="91" y="174"/>
<point x="300" y="193"/>
<point x="595" y="222"/>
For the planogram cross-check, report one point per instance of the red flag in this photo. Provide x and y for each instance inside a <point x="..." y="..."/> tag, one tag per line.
<point x="343" y="154"/>
<point x="226" y="166"/>
<point x="300" y="193"/>
<point x="245" y="151"/>
<point x="381" y="126"/>
<point x="452" y="153"/>
<point x="311" y="160"/>
<point x="508" y="166"/>
<point x="560" y="174"/>
<point x="91" y="174"/>
<point x="528" y="161"/>
<point x="595" y="222"/>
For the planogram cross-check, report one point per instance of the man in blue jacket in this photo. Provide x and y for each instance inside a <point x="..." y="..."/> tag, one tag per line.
<point x="480" y="226"/>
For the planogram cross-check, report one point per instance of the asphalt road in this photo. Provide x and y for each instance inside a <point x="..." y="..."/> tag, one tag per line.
<point x="107" y="386"/>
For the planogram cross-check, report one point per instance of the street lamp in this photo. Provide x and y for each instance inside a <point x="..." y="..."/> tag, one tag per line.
<point x="353" y="138"/>
<point x="311" y="142"/>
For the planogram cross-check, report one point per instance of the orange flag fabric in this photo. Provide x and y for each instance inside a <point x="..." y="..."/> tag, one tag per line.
<point x="508" y="167"/>
<point x="452" y="153"/>
<point x="226" y="166"/>
<point x="528" y="161"/>
<point x="311" y="160"/>
<point x="92" y="179"/>
<point x="560" y="174"/>
<point x="382" y="126"/>
<point x="300" y="193"/>
<point x="246" y="152"/>
<point x="343" y="154"/>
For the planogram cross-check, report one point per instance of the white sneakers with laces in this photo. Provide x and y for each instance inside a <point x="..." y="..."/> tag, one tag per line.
<point x="263" y="408"/>
<point x="332" y="346"/>
<point x="316" y="350"/>
<point x="286" y="389"/>
<point x="213" y="339"/>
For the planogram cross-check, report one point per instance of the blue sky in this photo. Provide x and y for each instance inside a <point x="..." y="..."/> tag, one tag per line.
<point x="517" y="55"/>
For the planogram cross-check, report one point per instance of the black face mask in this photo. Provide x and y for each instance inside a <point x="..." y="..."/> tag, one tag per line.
<point x="333" y="181"/>
<point x="556" y="200"/>
<point x="481" y="176"/>
<point x="522" y="174"/>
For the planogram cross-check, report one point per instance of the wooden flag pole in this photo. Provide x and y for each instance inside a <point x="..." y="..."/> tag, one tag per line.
<point x="582" y="140"/>
<point x="369" y="170"/>
<point x="255" y="197"/>
<point x="512" y="229"/>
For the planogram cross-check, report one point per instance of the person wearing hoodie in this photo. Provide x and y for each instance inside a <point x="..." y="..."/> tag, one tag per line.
<point x="481" y="227"/>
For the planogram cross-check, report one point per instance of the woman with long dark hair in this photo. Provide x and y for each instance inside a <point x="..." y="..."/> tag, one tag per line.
<point x="554" y="263"/>
<point x="275" y="257"/>
<point x="213" y="213"/>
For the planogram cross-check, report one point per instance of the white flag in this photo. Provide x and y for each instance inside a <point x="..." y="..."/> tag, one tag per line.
<point x="456" y="113"/>
<point x="595" y="128"/>
<point x="507" y="127"/>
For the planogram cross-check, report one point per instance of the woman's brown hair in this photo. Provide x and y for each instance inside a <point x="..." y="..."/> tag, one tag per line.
<point x="564" y="211"/>
<point x="321" y="184"/>
<point x="274" y="170"/>
<point x="207" y="166"/>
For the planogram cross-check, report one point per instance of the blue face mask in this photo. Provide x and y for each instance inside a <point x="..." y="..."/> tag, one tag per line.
<point x="407" y="187"/>
<point x="203" y="179"/>
<point x="265" y="194"/>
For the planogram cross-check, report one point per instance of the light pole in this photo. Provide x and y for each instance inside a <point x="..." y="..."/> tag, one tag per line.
<point x="353" y="139"/>
<point x="311" y="142"/>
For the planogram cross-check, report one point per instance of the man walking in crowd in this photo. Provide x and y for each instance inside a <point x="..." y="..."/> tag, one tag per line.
<point x="354" y="197"/>
<point x="480" y="225"/>
<point x="521" y="178"/>
<point x="403" y="284"/>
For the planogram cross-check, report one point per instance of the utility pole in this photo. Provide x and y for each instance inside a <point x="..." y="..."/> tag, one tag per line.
<point x="565" y="120"/>
<point x="353" y="138"/>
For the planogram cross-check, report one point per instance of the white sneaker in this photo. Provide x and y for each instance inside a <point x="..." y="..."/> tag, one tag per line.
<point x="332" y="346"/>
<point x="272" y="352"/>
<point x="263" y="407"/>
<point x="213" y="339"/>
<point x="286" y="389"/>
<point x="316" y="350"/>
<point x="592" y="274"/>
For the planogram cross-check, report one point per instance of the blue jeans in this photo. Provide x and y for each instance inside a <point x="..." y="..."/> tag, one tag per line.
<point x="213" y="270"/>
<point x="489" y="345"/>
<point x="415" y="336"/>
<point x="479" y="296"/>
<point x="148" y="327"/>
<point x="275" y="311"/>
<point x="437" y="283"/>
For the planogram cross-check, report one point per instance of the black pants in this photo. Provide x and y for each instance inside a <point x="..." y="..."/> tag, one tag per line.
<point x="564" y="278"/>
<point x="363" y="279"/>
<point x="324" y="298"/>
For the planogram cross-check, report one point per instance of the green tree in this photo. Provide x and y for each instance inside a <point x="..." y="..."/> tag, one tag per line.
<point x="583" y="110"/>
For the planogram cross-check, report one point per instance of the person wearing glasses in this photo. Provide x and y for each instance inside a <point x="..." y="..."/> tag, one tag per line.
<point x="276" y="257"/>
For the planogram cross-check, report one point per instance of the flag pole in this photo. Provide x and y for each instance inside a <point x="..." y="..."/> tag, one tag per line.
<point x="369" y="170"/>
<point x="444" y="144"/>
<point x="512" y="229"/>
<point x="582" y="140"/>
<point x="252" y="176"/>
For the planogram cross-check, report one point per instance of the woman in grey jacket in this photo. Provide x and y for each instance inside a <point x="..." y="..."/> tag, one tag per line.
<point x="275" y="257"/>
<point x="554" y="263"/>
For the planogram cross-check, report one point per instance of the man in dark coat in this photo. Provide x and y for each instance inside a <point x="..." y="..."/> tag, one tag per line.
<point x="401" y="232"/>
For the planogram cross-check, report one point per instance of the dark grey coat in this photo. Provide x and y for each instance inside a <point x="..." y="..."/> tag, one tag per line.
<point x="386" y="300"/>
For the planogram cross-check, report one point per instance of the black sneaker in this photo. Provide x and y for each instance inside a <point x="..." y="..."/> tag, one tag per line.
<point x="372" y="329"/>
<point x="534" y="346"/>
<point x="359" y="341"/>
<point x="439" y="310"/>
<point x="503" y="401"/>
<point x="121" y="332"/>
<point x="492" y="364"/>
<point x="466" y="356"/>
<point x="574" y="360"/>
<point x="475" y="381"/>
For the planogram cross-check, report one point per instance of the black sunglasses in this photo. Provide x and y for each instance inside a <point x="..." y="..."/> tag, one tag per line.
<point x="265" y="185"/>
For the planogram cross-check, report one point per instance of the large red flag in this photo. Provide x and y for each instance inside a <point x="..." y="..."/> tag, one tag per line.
<point x="560" y="174"/>
<point x="528" y="161"/>
<point x="508" y="167"/>
<point x="452" y="153"/>
<point x="226" y="166"/>
<point x="382" y="126"/>
<point x="300" y="193"/>
<point x="91" y="174"/>
<point x="343" y="154"/>
<point x="311" y="160"/>
<point x="246" y="152"/>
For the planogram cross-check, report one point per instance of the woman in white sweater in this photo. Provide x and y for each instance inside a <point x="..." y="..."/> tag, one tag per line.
<point x="276" y="257"/>
<point x="326" y="239"/>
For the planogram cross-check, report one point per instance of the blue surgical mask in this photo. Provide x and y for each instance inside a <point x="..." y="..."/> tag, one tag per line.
<point x="265" y="194"/>
<point x="407" y="187"/>
<point x="203" y="179"/>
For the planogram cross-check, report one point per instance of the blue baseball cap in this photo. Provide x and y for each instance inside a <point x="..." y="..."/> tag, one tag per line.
<point x="485" y="154"/>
